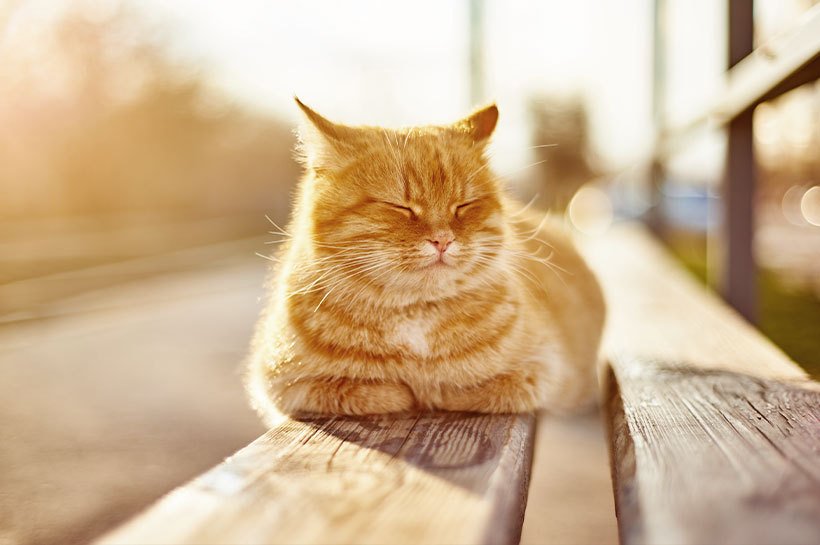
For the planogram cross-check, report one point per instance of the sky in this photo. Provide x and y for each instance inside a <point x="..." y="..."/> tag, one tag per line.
<point x="401" y="63"/>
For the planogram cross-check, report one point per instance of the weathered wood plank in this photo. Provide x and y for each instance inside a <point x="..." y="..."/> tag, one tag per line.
<point x="715" y="434"/>
<point x="658" y="312"/>
<point x="434" y="478"/>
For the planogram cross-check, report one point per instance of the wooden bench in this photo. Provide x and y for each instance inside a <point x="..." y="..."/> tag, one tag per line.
<point x="715" y="433"/>
<point x="715" y="438"/>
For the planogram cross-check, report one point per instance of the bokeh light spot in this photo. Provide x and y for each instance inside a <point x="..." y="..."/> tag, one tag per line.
<point x="591" y="211"/>
<point x="810" y="205"/>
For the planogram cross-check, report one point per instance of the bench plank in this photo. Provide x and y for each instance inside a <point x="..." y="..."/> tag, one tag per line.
<point x="432" y="478"/>
<point x="715" y="433"/>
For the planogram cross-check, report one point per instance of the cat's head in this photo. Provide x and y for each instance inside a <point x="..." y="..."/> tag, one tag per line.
<point x="415" y="210"/>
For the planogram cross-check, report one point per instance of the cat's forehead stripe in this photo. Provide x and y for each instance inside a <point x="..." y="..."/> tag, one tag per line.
<point x="432" y="170"/>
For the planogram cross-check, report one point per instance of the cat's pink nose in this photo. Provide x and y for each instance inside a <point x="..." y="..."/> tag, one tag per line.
<point x="441" y="241"/>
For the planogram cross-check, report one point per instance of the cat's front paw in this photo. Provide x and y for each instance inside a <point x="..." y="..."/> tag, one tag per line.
<point x="505" y="393"/>
<point x="343" y="396"/>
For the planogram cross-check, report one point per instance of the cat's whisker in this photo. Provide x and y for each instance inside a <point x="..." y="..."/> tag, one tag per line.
<point x="507" y="176"/>
<point x="346" y="253"/>
<point x="269" y="258"/>
<point x="555" y="269"/>
<point x="344" y="256"/>
<point x="323" y="299"/>
<point x="543" y="146"/>
<point x="349" y="263"/>
<point x="521" y="271"/>
<point x="347" y="278"/>
<point x="477" y="172"/>
<point x="347" y="259"/>
<point x="529" y="276"/>
<point x="361" y="269"/>
<point x="352" y="257"/>
<point x="532" y="256"/>
<point x="363" y="263"/>
<point x="287" y="236"/>
<point x="515" y="238"/>
<point x="323" y="245"/>
<point x="551" y="265"/>
<point x="519" y="170"/>
<point x="525" y="207"/>
<point x="406" y="138"/>
<point x="543" y="243"/>
<point x="317" y="283"/>
<point x="537" y="229"/>
<point x="281" y="230"/>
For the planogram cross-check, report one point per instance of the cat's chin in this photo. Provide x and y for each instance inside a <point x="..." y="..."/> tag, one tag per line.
<point x="438" y="272"/>
<point x="443" y="263"/>
<point x="431" y="274"/>
<point x="440" y="279"/>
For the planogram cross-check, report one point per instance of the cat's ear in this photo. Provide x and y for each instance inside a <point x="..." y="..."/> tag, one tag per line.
<point x="328" y="129"/>
<point x="480" y="124"/>
<point x="322" y="143"/>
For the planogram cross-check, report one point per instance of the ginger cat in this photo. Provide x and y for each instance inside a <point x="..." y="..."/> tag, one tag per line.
<point x="409" y="281"/>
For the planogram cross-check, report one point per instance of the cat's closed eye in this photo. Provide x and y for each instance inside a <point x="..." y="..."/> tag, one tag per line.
<point x="463" y="207"/>
<point x="406" y="210"/>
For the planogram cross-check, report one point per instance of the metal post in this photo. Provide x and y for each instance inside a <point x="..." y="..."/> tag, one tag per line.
<point x="657" y="172"/>
<point x="738" y="271"/>
<point x="476" y="22"/>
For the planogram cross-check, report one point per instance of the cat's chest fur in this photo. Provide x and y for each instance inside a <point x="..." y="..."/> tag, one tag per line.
<point x="411" y="333"/>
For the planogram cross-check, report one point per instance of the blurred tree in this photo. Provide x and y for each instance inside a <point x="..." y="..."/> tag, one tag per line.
<point x="97" y="119"/>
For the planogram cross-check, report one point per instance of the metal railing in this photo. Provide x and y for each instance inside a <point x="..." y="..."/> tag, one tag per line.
<point x="753" y="76"/>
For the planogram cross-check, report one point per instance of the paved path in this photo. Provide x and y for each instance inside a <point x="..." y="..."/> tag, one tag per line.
<point x="571" y="501"/>
<point x="122" y="394"/>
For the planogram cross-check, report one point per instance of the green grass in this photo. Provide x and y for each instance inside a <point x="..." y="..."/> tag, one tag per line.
<point x="789" y="317"/>
<point x="792" y="320"/>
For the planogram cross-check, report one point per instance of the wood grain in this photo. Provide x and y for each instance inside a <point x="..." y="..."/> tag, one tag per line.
<point x="432" y="478"/>
<point x="715" y="433"/>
